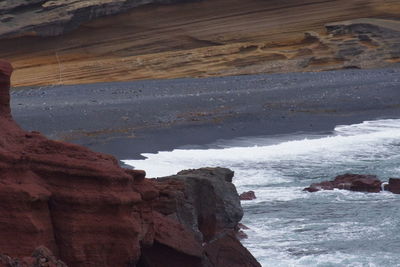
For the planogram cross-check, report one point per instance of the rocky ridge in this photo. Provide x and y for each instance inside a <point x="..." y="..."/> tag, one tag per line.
<point x="359" y="43"/>
<point x="69" y="204"/>
<point x="52" y="18"/>
<point x="196" y="39"/>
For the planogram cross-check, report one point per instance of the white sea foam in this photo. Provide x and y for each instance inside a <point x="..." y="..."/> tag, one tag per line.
<point x="277" y="193"/>
<point x="365" y="141"/>
<point x="369" y="127"/>
<point x="289" y="227"/>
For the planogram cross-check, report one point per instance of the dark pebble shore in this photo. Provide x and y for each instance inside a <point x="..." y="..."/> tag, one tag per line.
<point x="128" y="118"/>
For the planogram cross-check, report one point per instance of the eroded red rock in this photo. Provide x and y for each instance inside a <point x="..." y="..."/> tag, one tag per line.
<point x="5" y="74"/>
<point x="352" y="182"/>
<point x="250" y="195"/>
<point x="88" y="211"/>
<point x="75" y="202"/>
<point x="228" y="251"/>
<point x="41" y="256"/>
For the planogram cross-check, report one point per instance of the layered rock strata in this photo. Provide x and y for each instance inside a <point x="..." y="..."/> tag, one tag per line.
<point x="88" y="211"/>
<point x="197" y="39"/>
<point x="52" y="18"/>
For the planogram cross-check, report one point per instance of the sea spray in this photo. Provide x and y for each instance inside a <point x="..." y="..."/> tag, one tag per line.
<point x="289" y="227"/>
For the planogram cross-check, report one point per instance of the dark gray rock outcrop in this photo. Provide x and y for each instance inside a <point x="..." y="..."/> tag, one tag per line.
<point x="205" y="200"/>
<point x="365" y="26"/>
<point x="374" y="40"/>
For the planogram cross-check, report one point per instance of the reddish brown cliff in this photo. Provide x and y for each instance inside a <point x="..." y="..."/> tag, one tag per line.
<point x="87" y="210"/>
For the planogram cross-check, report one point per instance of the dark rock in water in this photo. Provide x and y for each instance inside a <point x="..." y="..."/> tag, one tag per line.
<point x="89" y="211"/>
<point x="250" y="195"/>
<point x="393" y="185"/>
<point x="352" y="182"/>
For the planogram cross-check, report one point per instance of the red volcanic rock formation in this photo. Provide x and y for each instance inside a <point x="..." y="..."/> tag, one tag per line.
<point x="41" y="257"/>
<point x="5" y="73"/>
<point x="88" y="211"/>
<point x="352" y="182"/>
<point x="79" y="204"/>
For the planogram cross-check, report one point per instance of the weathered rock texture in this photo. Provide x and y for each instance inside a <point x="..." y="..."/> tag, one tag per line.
<point x="196" y="39"/>
<point x="88" y="211"/>
<point x="249" y="195"/>
<point x="52" y="18"/>
<point x="352" y="182"/>
<point x="359" y="183"/>
<point x="205" y="200"/>
<point x="393" y="185"/>
<point x="359" y="43"/>
<point x="41" y="257"/>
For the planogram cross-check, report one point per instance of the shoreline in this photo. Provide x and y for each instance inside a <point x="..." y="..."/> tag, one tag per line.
<point x="126" y="119"/>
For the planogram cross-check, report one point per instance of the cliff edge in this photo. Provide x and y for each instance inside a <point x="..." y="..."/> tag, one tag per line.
<point x="63" y="201"/>
<point x="121" y="41"/>
<point x="52" y="18"/>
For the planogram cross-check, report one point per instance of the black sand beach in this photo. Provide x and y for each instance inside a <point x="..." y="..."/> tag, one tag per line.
<point x="128" y="118"/>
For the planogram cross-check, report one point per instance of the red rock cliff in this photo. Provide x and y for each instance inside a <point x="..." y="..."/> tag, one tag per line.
<point x="87" y="210"/>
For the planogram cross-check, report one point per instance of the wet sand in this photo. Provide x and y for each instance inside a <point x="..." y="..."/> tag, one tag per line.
<point x="129" y="118"/>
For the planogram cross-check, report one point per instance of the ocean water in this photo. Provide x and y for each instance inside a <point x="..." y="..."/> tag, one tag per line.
<point x="289" y="227"/>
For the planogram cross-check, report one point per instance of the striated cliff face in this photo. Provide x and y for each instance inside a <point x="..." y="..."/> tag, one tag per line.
<point x="87" y="211"/>
<point x="197" y="39"/>
<point x="52" y="18"/>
